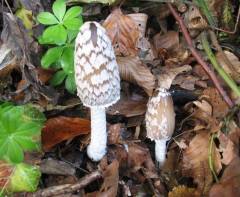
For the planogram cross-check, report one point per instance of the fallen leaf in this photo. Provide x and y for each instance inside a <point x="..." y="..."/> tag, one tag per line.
<point x="63" y="128"/>
<point x="183" y="191"/>
<point x="123" y="32"/>
<point x="109" y="187"/>
<point x="229" y="151"/>
<point x="114" y="133"/>
<point x="133" y="70"/>
<point x="169" y="41"/>
<point x="204" y="106"/>
<point x="128" y="107"/>
<point x="195" y="161"/>
<point x="194" y="19"/>
<point x="141" y="20"/>
<point x="219" y="107"/>
<point x="229" y="185"/>
<point x="166" y="77"/>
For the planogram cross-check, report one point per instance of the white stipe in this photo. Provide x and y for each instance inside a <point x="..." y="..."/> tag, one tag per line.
<point x="97" y="147"/>
<point x="160" y="151"/>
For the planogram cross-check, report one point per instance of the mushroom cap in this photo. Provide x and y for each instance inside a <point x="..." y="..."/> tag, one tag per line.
<point x="96" y="70"/>
<point x="160" y="116"/>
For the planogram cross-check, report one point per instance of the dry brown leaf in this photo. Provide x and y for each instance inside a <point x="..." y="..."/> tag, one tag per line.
<point x="233" y="67"/>
<point x="194" y="19"/>
<point x="109" y="187"/>
<point x="183" y="191"/>
<point x="133" y="70"/>
<point x="165" y="79"/>
<point x="132" y="158"/>
<point x="228" y="149"/>
<point x="186" y="82"/>
<point x="141" y="20"/>
<point x="229" y="185"/>
<point x="114" y="133"/>
<point x="63" y="128"/>
<point x="123" y="32"/>
<point x="220" y="108"/>
<point x="5" y="174"/>
<point x="195" y="161"/>
<point x="129" y="107"/>
<point x="169" y="41"/>
<point x="204" y="106"/>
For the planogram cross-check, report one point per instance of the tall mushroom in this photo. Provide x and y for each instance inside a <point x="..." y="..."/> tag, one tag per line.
<point x="97" y="79"/>
<point x="160" y="121"/>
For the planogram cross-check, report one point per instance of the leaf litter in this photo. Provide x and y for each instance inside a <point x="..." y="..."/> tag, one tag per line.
<point x="202" y="156"/>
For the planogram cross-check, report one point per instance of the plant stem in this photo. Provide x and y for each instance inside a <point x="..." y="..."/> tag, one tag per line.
<point x="199" y="59"/>
<point x="210" y="160"/>
<point x="229" y="81"/>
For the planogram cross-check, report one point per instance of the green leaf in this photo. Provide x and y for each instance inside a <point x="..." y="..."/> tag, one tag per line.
<point x="27" y="143"/>
<point x="19" y="134"/>
<point x="72" y="34"/>
<point x="25" y="178"/>
<point x="15" y="152"/>
<point x="56" y="34"/>
<point x="59" y="9"/>
<point x="72" y="13"/>
<point x="47" y="18"/>
<point x="70" y="83"/>
<point x="73" y="24"/>
<point x="51" y="56"/>
<point x="58" y="78"/>
<point x="67" y="60"/>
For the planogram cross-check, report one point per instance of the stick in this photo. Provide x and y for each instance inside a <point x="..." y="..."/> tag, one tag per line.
<point x="68" y="188"/>
<point x="199" y="59"/>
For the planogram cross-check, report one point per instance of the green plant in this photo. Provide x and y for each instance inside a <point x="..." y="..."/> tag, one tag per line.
<point x="20" y="130"/>
<point x="62" y="30"/>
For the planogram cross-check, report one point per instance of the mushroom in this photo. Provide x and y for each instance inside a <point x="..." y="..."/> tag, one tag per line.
<point x="160" y="121"/>
<point x="97" y="79"/>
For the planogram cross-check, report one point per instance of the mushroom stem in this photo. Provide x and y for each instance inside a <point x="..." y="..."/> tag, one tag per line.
<point x="160" y="151"/>
<point x="97" y="147"/>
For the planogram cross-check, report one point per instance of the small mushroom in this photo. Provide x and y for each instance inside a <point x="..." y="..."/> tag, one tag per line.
<point x="97" y="79"/>
<point x="160" y="121"/>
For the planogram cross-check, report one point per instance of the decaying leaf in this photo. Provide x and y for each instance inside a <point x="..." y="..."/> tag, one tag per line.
<point x="229" y="185"/>
<point x="63" y="128"/>
<point x="194" y="19"/>
<point x="167" y="76"/>
<point x="227" y="148"/>
<point x="141" y="20"/>
<point x="133" y="70"/>
<point x="123" y="32"/>
<point x="132" y="158"/>
<point x="109" y="187"/>
<point x="169" y="41"/>
<point x="219" y="107"/>
<point x="183" y="191"/>
<point x="233" y="69"/>
<point x="196" y="161"/>
<point x="114" y="133"/>
<point x="128" y="107"/>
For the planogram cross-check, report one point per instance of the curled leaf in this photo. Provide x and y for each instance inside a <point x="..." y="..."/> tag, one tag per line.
<point x="63" y="128"/>
<point x="123" y="32"/>
<point x="133" y="70"/>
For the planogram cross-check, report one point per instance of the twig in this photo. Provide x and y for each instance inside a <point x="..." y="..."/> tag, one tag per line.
<point x="235" y="27"/>
<point x="68" y="188"/>
<point x="199" y="59"/>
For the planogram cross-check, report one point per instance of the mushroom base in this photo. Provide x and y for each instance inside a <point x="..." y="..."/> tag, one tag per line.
<point x="97" y="147"/>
